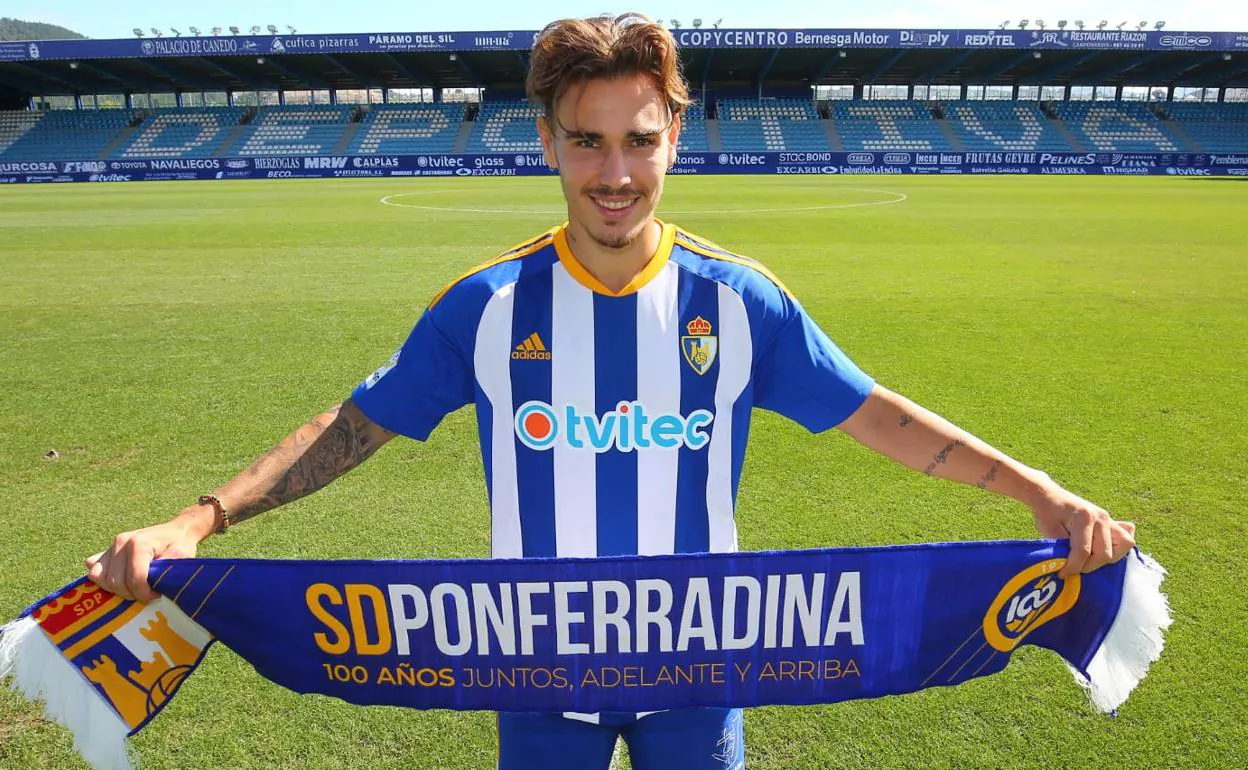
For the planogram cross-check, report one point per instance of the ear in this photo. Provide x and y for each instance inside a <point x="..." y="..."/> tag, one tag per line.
<point x="673" y="136"/>
<point x="548" y="143"/>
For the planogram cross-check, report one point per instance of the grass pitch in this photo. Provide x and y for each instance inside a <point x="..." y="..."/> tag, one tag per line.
<point x="160" y="336"/>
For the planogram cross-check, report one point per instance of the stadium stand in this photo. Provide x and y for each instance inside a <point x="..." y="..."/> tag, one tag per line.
<point x="13" y="125"/>
<point x="408" y="129"/>
<point x="506" y="127"/>
<point x="1117" y="126"/>
<point x="779" y="124"/>
<point x="990" y="126"/>
<point x="304" y="130"/>
<point x="693" y="137"/>
<point x="182" y="133"/>
<point x="887" y="125"/>
<point x="1213" y="127"/>
<point x="70" y="135"/>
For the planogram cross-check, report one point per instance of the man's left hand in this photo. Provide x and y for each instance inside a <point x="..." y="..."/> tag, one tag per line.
<point x="1095" y="538"/>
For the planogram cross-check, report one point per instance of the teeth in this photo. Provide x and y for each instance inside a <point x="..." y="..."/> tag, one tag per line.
<point x="614" y="205"/>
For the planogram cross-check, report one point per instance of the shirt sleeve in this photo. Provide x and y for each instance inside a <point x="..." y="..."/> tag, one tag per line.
<point x="427" y="379"/>
<point x="804" y="376"/>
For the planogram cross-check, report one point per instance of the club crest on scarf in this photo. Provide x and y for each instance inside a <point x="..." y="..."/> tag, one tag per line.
<point x="135" y="655"/>
<point x="699" y="345"/>
<point x="1030" y="599"/>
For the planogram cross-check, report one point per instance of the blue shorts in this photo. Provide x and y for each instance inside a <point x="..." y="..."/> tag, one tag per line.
<point x="686" y="739"/>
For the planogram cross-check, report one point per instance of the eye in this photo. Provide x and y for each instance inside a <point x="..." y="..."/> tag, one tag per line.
<point x="644" y="141"/>
<point x="585" y="144"/>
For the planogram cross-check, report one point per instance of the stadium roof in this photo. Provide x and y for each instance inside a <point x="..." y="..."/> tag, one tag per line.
<point x="498" y="60"/>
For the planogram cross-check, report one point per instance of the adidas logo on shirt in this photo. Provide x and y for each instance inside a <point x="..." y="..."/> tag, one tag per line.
<point x="532" y="349"/>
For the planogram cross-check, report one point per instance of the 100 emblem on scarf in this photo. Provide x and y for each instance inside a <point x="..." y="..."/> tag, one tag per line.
<point x="608" y="634"/>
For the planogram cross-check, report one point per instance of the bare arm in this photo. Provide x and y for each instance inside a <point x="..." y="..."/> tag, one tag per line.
<point x="308" y="459"/>
<point x="896" y="427"/>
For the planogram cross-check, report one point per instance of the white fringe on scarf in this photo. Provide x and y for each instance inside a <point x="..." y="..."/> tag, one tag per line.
<point x="41" y="673"/>
<point x="1134" y="640"/>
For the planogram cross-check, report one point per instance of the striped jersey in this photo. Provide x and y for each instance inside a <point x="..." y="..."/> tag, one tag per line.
<point x="613" y="422"/>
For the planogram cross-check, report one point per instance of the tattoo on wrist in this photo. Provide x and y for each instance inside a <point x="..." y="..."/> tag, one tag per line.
<point x="990" y="476"/>
<point x="905" y="420"/>
<point x="942" y="456"/>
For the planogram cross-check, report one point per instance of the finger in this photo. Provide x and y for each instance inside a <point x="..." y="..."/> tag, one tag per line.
<point x="1102" y="544"/>
<point x="136" y="575"/>
<point x="94" y="559"/>
<point x="114" y="578"/>
<point x="1124" y="539"/>
<point x="1080" y="546"/>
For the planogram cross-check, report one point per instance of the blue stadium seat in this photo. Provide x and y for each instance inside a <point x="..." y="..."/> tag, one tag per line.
<point x="14" y="125"/>
<point x="313" y="129"/>
<point x="506" y="127"/>
<point x="409" y="129"/>
<point x="996" y="126"/>
<point x="1214" y="127"/>
<point x="187" y="132"/>
<point x="1117" y="126"/>
<point x="70" y="135"/>
<point x="887" y="125"/>
<point x="771" y="124"/>
<point x="693" y="130"/>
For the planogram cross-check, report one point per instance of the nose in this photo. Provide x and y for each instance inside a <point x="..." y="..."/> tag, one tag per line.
<point x="614" y="170"/>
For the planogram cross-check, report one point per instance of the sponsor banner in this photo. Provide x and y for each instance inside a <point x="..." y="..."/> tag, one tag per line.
<point x="878" y="163"/>
<point x="513" y="40"/>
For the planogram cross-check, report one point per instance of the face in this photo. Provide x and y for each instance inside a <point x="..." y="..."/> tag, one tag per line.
<point x="613" y="141"/>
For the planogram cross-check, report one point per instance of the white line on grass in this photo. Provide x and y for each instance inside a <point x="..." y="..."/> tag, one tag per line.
<point x="389" y="200"/>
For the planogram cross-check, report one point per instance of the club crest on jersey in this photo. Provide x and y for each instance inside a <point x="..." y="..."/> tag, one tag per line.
<point x="699" y="345"/>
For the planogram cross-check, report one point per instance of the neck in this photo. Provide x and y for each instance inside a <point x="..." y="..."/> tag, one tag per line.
<point x="614" y="268"/>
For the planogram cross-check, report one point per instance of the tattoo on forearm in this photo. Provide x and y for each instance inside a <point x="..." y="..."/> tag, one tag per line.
<point x="990" y="476"/>
<point x="905" y="420"/>
<point x="326" y="448"/>
<point x="942" y="456"/>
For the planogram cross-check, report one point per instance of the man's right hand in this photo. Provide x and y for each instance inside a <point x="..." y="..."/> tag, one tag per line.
<point x="122" y="569"/>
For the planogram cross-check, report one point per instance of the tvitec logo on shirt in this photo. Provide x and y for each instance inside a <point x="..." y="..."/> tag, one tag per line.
<point x="627" y="427"/>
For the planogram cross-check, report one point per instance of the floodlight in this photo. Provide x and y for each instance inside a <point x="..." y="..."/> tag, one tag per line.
<point x="1023" y="24"/>
<point x="1141" y="25"/>
<point x="1040" y="23"/>
<point x="1036" y="54"/>
<point x="157" y="33"/>
<point x="1121" y="24"/>
<point x="718" y="22"/>
<point x="841" y="54"/>
<point x="255" y="29"/>
<point x="216" y="31"/>
<point x="195" y="31"/>
<point x="675" y="24"/>
<point x="1079" y="25"/>
<point x="290" y="29"/>
<point x="73" y="65"/>
<point x="175" y="32"/>
<point x="234" y="31"/>
<point x="1226" y="57"/>
<point x="697" y="24"/>
<point x="1004" y="24"/>
<point x="259" y="60"/>
<point x="1061" y="24"/>
<point x="138" y="32"/>
<point x="272" y="29"/>
<point x="454" y="57"/>
<point x="1159" y="25"/>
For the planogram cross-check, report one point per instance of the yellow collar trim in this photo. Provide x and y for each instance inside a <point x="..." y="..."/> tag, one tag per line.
<point x="586" y="279"/>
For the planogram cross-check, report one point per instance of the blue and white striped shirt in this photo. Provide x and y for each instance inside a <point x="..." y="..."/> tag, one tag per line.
<point x="613" y="422"/>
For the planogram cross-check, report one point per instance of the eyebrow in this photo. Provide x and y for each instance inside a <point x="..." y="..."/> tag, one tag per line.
<point x="595" y="136"/>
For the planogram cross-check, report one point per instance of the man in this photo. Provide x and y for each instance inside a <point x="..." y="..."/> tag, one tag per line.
<point x="613" y="362"/>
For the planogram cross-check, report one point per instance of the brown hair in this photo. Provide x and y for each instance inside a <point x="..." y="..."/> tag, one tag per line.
<point x="572" y="51"/>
